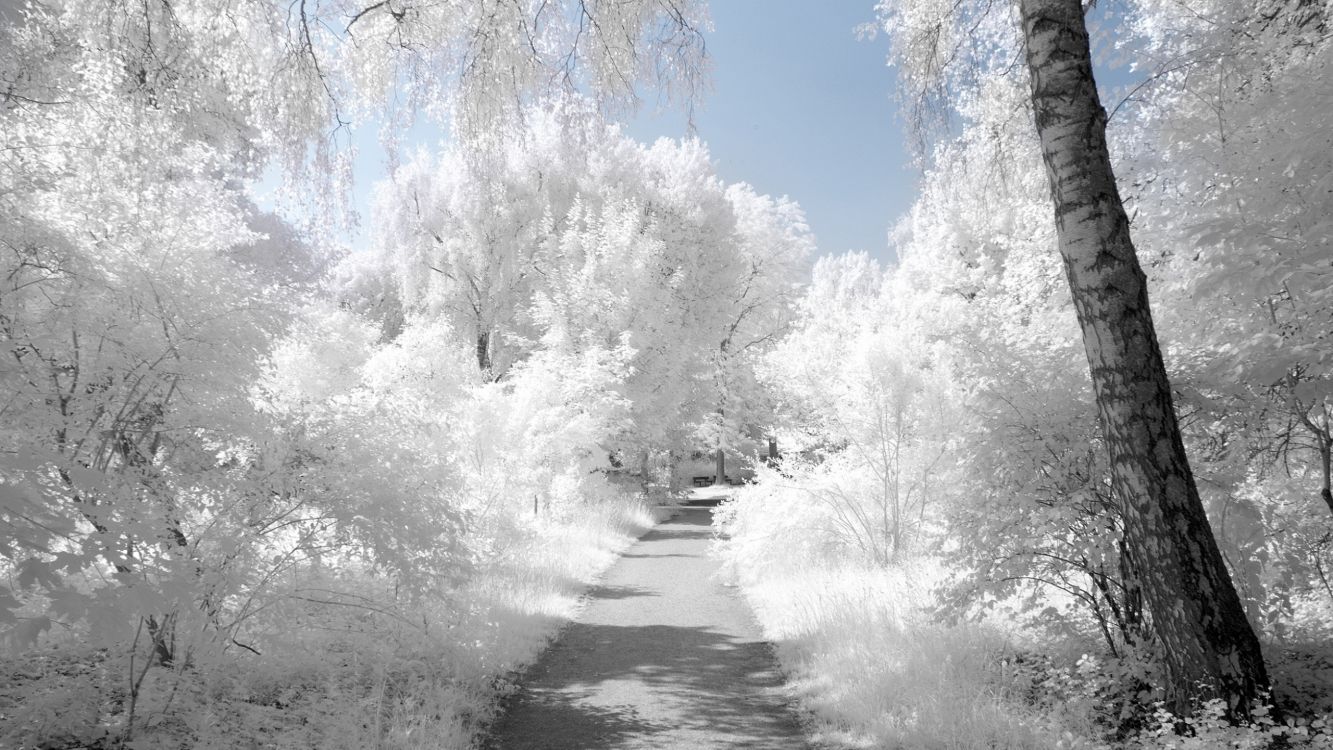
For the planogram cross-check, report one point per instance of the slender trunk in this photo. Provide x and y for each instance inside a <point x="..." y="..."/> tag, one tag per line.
<point x="672" y="484"/>
<point x="721" y="457"/>
<point x="886" y="497"/>
<point x="1208" y="647"/>
<point x="484" y="350"/>
<point x="1326" y="465"/>
<point x="164" y="637"/>
<point x="1323" y="440"/>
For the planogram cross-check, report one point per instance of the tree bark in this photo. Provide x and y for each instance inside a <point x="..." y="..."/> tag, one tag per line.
<point x="1207" y="646"/>
<point x="484" y="351"/>
<point x="720" y="465"/>
<point x="673" y="483"/>
<point x="1326" y="465"/>
<point x="643" y="471"/>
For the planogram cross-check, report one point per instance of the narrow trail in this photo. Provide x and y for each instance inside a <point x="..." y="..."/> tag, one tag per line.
<point x="662" y="657"/>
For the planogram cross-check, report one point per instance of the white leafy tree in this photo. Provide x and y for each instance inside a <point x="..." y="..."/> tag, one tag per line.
<point x="147" y="486"/>
<point x="1197" y="615"/>
<point x="864" y="398"/>
<point x="568" y="236"/>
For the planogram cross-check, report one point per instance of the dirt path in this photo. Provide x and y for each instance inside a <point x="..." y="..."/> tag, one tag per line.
<point x="662" y="657"/>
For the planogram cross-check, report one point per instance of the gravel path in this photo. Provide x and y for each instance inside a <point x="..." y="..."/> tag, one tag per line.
<point x="662" y="657"/>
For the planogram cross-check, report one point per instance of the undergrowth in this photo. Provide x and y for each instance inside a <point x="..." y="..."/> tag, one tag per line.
<point x="874" y="665"/>
<point x="355" y="675"/>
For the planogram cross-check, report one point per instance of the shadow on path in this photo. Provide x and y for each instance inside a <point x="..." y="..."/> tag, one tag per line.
<point x="619" y="592"/>
<point x="643" y="686"/>
<point x="662" y="657"/>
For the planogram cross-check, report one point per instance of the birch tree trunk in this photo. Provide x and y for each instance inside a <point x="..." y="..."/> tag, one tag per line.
<point x="484" y="351"/>
<point x="720" y="457"/>
<point x="1207" y="646"/>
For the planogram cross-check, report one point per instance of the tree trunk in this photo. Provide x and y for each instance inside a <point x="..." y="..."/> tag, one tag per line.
<point x="1324" y="445"/>
<point x="484" y="351"/>
<point x="672" y="483"/>
<point x="1326" y="464"/>
<point x="721" y="456"/>
<point x="1208" y="648"/>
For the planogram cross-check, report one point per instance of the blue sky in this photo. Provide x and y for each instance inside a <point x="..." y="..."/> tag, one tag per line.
<point x="798" y="107"/>
<point x="801" y="107"/>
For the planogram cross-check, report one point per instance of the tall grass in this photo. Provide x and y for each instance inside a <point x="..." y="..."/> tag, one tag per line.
<point x="874" y="667"/>
<point x="864" y="655"/>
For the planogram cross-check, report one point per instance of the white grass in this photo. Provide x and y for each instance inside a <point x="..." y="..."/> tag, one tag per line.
<point x="340" y="678"/>
<point x="874" y="670"/>
<point x="864" y="655"/>
<point x="873" y="667"/>
<point x="515" y="607"/>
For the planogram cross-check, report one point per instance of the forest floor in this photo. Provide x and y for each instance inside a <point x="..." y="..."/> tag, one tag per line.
<point x="663" y="656"/>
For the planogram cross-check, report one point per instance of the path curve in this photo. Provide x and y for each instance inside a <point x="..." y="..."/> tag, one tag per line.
<point x="662" y="657"/>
